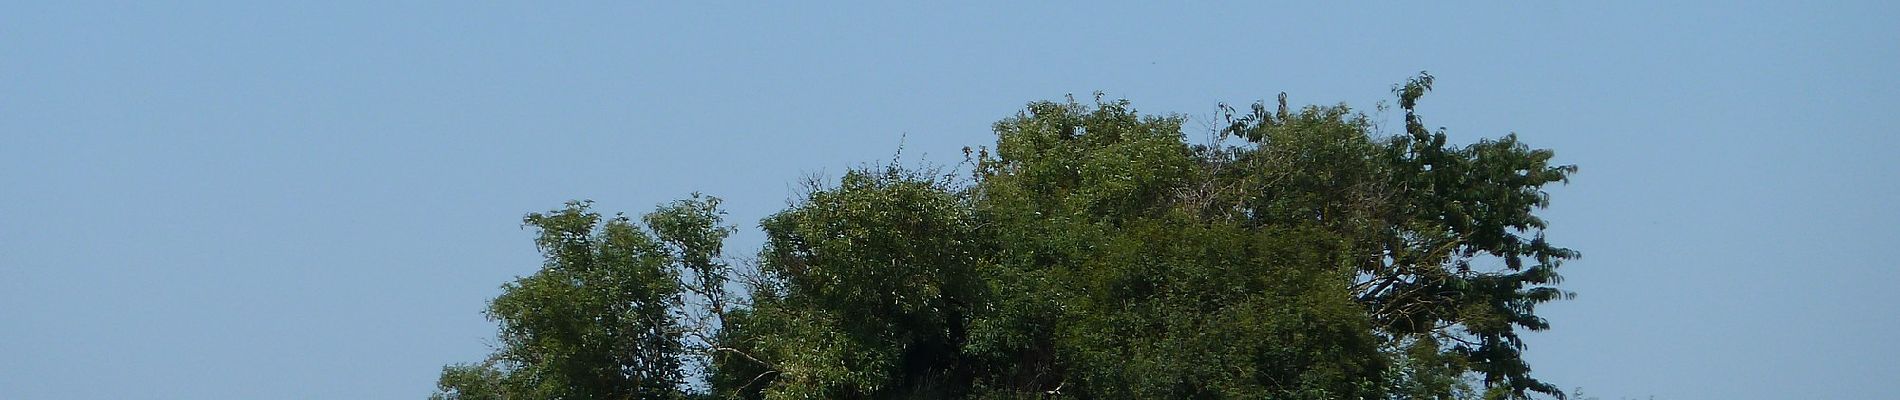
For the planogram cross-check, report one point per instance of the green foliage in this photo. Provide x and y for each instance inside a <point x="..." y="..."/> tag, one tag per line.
<point x="875" y="278"/>
<point x="598" y="320"/>
<point x="1095" y="254"/>
<point x="694" y="238"/>
<point x="470" y="382"/>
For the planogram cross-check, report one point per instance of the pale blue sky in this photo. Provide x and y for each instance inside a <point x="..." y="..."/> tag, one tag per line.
<point x="245" y="201"/>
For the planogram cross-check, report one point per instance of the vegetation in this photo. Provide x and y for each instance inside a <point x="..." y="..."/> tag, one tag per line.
<point x="1096" y="253"/>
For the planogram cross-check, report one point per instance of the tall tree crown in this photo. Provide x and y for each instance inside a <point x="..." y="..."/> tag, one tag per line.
<point x="1095" y="253"/>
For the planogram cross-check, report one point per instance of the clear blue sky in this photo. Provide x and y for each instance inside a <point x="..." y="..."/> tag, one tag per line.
<point x="244" y="201"/>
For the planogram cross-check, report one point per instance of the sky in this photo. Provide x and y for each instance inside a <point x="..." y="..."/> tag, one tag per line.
<point x="241" y="200"/>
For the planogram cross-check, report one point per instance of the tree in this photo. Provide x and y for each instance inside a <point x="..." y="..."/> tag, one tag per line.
<point x="1130" y="283"/>
<point x="1097" y="253"/>
<point x="869" y="287"/>
<point x="1423" y="218"/>
<point x="600" y="319"/>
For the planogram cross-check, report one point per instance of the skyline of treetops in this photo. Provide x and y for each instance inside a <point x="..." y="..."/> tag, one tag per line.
<point x="1091" y="251"/>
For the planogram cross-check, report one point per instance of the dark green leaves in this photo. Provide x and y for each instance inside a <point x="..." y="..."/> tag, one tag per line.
<point x="878" y="275"/>
<point x="1095" y="254"/>
<point x="599" y="319"/>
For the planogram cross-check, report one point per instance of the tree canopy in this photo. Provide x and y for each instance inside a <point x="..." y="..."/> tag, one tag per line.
<point x="1093" y="252"/>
